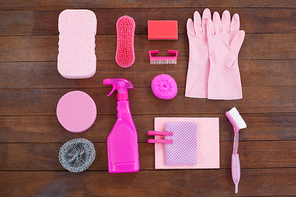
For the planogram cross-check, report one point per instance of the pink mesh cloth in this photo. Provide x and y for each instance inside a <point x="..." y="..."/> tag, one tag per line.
<point x="183" y="150"/>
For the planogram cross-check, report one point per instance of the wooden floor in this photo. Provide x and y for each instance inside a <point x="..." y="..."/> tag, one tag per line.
<point x="30" y="87"/>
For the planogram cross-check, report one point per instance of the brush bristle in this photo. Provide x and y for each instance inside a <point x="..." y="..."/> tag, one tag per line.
<point x="237" y="118"/>
<point x="125" y="55"/>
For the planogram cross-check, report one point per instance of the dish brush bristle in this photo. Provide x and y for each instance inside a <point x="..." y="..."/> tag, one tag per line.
<point x="237" y="118"/>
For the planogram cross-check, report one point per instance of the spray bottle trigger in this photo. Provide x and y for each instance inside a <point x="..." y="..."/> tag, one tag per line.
<point x="111" y="92"/>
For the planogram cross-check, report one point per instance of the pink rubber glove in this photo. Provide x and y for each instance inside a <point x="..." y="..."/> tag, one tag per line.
<point x="224" y="42"/>
<point x="199" y="64"/>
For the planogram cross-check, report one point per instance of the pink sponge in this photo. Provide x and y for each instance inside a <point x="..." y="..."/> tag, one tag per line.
<point x="76" y="58"/>
<point x="76" y="111"/>
<point x="125" y="54"/>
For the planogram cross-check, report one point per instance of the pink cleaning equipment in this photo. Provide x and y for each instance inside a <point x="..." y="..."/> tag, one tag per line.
<point x="180" y="143"/>
<point x="214" y="45"/>
<point x="76" y="111"/>
<point x="122" y="142"/>
<point x="164" y="86"/>
<point x="224" y="41"/>
<point x="162" y="30"/>
<point x="199" y="63"/>
<point x="77" y="58"/>
<point x="125" y="52"/>
<point x="238" y="123"/>
<point x="172" y="59"/>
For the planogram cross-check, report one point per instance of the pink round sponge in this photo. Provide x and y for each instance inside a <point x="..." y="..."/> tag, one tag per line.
<point x="76" y="111"/>
<point x="164" y="86"/>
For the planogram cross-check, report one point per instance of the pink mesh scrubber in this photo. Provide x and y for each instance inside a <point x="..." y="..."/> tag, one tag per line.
<point x="224" y="41"/>
<point x="76" y="111"/>
<point x="164" y="86"/>
<point x="183" y="150"/>
<point x="76" y="58"/>
<point x="125" y="54"/>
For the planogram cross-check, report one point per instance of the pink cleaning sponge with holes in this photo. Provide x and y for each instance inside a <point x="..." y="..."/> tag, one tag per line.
<point x="77" y="58"/>
<point x="76" y="111"/>
<point x="125" y="53"/>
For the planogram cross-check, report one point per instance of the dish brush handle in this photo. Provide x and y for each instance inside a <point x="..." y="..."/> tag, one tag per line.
<point x="235" y="170"/>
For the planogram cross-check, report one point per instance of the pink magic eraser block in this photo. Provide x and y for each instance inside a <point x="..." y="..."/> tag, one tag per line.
<point x="76" y="111"/>
<point x="162" y="30"/>
<point x="77" y="58"/>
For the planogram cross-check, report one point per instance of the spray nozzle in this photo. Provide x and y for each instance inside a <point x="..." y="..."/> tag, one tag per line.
<point x="121" y="85"/>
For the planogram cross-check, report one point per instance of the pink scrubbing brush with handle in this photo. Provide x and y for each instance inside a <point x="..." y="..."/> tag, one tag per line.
<point x="125" y="52"/>
<point x="238" y="123"/>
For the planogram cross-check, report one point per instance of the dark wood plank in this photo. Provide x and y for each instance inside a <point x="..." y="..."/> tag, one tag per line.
<point x="45" y="48"/>
<point x="256" y="100"/>
<point x="35" y="4"/>
<point x="265" y="182"/>
<point x="45" y="22"/>
<point x="44" y="156"/>
<point x="47" y="129"/>
<point x="254" y="73"/>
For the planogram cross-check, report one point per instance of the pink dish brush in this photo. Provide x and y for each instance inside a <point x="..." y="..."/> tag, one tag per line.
<point x="125" y="54"/>
<point x="238" y="123"/>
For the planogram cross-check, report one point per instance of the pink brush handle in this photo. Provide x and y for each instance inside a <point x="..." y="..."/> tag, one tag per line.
<point x="235" y="170"/>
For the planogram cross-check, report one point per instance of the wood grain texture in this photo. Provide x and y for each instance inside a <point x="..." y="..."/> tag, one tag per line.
<point x="62" y="4"/>
<point x="45" y="48"/>
<point x="30" y="87"/>
<point x="44" y="75"/>
<point x="147" y="183"/>
<point x="44" y="156"/>
<point x="45" y="22"/>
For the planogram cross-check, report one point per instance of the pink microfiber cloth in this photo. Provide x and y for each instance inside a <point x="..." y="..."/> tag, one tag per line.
<point x="76" y="58"/>
<point x="207" y="151"/>
<point x="183" y="150"/>
<point x="214" y="45"/>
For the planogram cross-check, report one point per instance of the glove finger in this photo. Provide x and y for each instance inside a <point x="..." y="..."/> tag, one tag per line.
<point x="206" y="16"/>
<point x="210" y="29"/>
<point x="217" y="22"/>
<point x="235" y="23"/>
<point x="197" y="22"/>
<point x="237" y="41"/>
<point x="190" y="26"/>
<point x="226" y="21"/>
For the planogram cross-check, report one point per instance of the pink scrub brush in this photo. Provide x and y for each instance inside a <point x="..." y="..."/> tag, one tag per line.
<point x="125" y="54"/>
<point x="238" y="123"/>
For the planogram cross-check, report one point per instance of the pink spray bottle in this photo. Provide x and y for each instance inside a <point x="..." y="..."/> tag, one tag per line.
<point x="122" y="142"/>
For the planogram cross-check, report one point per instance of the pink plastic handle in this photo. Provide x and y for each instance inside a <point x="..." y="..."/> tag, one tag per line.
<point x="159" y="141"/>
<point x="235" y="170"/>
<point x="159" y="133"/>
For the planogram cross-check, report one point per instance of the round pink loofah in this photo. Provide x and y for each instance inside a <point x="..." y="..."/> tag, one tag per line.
<point x="76" y="111"/>
<point x="164" y="86"/>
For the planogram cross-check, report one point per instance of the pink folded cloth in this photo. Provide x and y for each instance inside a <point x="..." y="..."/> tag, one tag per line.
<point x="214" y="45"/>
<point x="183" y="150"/>
<point x="208" y="153"/>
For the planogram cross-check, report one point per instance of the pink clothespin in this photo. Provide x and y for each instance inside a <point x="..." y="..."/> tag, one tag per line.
<point x="159" y="133"/>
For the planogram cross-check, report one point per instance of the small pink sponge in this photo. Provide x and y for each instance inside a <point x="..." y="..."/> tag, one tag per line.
<point x="162" y="30"/>
<point x="125" y="53"/>
<point x="76" y="111"/>
<point x="164" y="86"/>
<point x="77" y="58"/>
